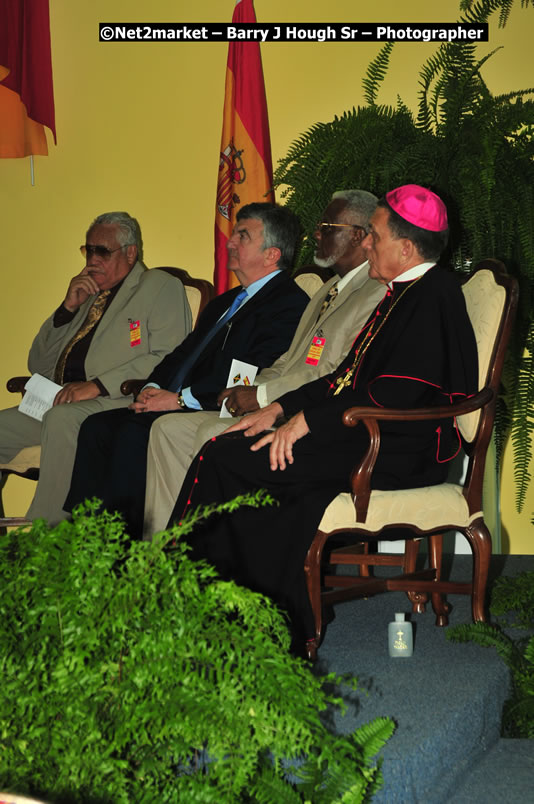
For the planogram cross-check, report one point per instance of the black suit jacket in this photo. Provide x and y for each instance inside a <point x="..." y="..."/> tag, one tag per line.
<point x="259" y="332"/>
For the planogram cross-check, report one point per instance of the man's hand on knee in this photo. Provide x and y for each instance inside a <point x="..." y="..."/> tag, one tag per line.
<point x="77" y="392"/>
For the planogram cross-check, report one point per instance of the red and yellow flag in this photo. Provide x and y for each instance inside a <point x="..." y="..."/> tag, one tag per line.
<point x="245" y="165"/>
<point x="26" y="94"/>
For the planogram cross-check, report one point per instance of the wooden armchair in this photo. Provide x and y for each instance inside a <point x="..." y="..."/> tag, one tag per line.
<point x="491" y="297"/>
<point x="198" y="291"/>
<point x="26" y="463"/>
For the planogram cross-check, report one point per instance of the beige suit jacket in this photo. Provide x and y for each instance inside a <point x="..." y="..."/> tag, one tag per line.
<point x="339" y="326"/>
<point x="154" y="298"/>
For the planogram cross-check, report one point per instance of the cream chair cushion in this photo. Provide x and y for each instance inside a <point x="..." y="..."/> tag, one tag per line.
<point x="193" y="297"/>
<point x="428" y="508"/>
<point x="485" y="300"/>
<point x="27" y="458"/>
<point x="310" y="283"/>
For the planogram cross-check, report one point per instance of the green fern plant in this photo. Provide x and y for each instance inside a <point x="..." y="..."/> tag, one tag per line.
<point x="131" y="673"/>
<point x="504" y="6"/>
<point x="512" y="603"/>
<point x="476" y="150"/>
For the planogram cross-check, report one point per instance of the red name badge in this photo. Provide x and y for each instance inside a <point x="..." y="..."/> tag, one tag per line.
<point x="315" y="351"/>
<point x="135" y="333"/>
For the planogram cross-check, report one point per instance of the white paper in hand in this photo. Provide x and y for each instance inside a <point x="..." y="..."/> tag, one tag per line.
<point x="39" y="396"/>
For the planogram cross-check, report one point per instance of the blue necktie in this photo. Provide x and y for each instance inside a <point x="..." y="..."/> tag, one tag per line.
<point x="191" y="359"/>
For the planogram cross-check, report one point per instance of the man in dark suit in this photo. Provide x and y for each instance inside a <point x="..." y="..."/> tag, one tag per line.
<point x="254" y="323"/>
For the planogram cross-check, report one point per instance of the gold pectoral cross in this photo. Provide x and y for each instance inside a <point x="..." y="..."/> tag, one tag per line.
<point x="343" y="381"/>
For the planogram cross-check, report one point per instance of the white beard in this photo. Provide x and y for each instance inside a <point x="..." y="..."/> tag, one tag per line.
<point x="324" y="262"/>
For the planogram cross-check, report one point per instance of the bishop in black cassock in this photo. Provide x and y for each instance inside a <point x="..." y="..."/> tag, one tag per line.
<point x="416" y="350"/>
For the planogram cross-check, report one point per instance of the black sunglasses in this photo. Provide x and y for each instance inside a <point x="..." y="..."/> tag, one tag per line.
<point x="100" y="251"/>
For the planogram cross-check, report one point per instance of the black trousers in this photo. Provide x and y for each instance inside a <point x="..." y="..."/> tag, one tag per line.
<point x="264" y="548"/>
<point x="110" y="464"/>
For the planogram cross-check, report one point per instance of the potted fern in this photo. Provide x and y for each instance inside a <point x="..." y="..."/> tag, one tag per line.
<point x="130" y="673"/>
<point x="475" y="149"/>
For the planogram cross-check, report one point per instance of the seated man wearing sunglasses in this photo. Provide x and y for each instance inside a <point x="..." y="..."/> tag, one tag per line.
<point x="117" y="321"/>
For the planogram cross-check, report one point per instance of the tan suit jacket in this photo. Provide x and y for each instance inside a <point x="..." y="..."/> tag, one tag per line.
<point x="340" y="324"/>
<point x="176" y="438"/>
<point x="154" y="298"/>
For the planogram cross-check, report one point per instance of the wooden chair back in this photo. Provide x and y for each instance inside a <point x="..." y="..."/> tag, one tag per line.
<point x="199" y="291"/>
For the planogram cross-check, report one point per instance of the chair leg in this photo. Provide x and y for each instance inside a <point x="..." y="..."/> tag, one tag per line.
<point x="439" y="604"/>
<point x="365" y="570"/>
<point x="480" y="540"/>
<point x="312" y="572"/>
<point x="417" y="599"/>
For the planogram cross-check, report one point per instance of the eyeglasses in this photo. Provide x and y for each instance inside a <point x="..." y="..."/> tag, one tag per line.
<point x="101" y="251"/>
<point x="330" y="228"/>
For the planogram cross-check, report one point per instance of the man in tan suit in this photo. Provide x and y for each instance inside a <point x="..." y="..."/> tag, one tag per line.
<point x="117" y="321"/>
<point x="324" y="335"/>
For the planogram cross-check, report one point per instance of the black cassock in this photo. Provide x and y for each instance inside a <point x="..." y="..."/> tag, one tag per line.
<point x="421" y="351"/>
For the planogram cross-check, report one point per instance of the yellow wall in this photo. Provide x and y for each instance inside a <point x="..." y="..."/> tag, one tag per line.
<point x="139" y="127"/>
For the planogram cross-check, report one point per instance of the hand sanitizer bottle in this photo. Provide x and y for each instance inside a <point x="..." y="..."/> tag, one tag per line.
<point x="400" y="637"/>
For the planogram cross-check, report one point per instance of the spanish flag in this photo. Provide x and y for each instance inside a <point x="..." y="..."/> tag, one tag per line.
<point x="245" y="165"/>
<point x="26" y="94"/>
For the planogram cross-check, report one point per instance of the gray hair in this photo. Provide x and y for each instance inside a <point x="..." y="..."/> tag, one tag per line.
<point x="281" y="229"/>
<point x="128" y="229"/>
<point x="361" y="203"/>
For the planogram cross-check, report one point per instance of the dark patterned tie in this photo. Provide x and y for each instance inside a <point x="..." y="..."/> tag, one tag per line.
<point x="330" y="296"/>
<point x="94" y="315"/>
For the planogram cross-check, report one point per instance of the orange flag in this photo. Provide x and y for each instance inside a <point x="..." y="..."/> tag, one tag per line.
<point x="26" y="94"/>
<point x="245" y="165"/>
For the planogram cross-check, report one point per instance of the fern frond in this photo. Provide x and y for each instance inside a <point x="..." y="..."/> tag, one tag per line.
<point x="371" y="737"/>
<point x="488" y="636"/>
<point x="375" y="74"/>
<point x="523" y="425"/>
<point x="481" y="10"/>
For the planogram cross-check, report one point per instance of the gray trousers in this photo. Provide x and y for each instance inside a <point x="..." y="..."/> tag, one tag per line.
<point x="174" y="441"/>
<point x="57" y="434"/>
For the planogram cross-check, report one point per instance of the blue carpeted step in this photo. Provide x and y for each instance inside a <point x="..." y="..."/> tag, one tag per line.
<point x="505" y="773"/>
<point x="446" y="699"/>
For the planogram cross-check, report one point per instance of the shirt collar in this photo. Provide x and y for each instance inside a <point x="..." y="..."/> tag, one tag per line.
<point x="259" y="283"/>
<point x="344" y="280"/>
<point x="413" y="273"/>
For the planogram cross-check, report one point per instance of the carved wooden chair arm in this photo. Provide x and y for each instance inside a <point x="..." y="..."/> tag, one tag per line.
<point x="369" y="416"/>
<point x="132" y="387"/>
<point x="15" y="385"/>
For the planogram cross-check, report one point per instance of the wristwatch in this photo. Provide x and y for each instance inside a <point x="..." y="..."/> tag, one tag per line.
<point x="181" y="402"/>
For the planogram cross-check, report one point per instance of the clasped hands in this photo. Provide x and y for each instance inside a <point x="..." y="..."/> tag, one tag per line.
<point x="151" y="400"/>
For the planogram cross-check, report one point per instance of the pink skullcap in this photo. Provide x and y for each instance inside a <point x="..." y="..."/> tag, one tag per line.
<point x="419" y="206"/>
